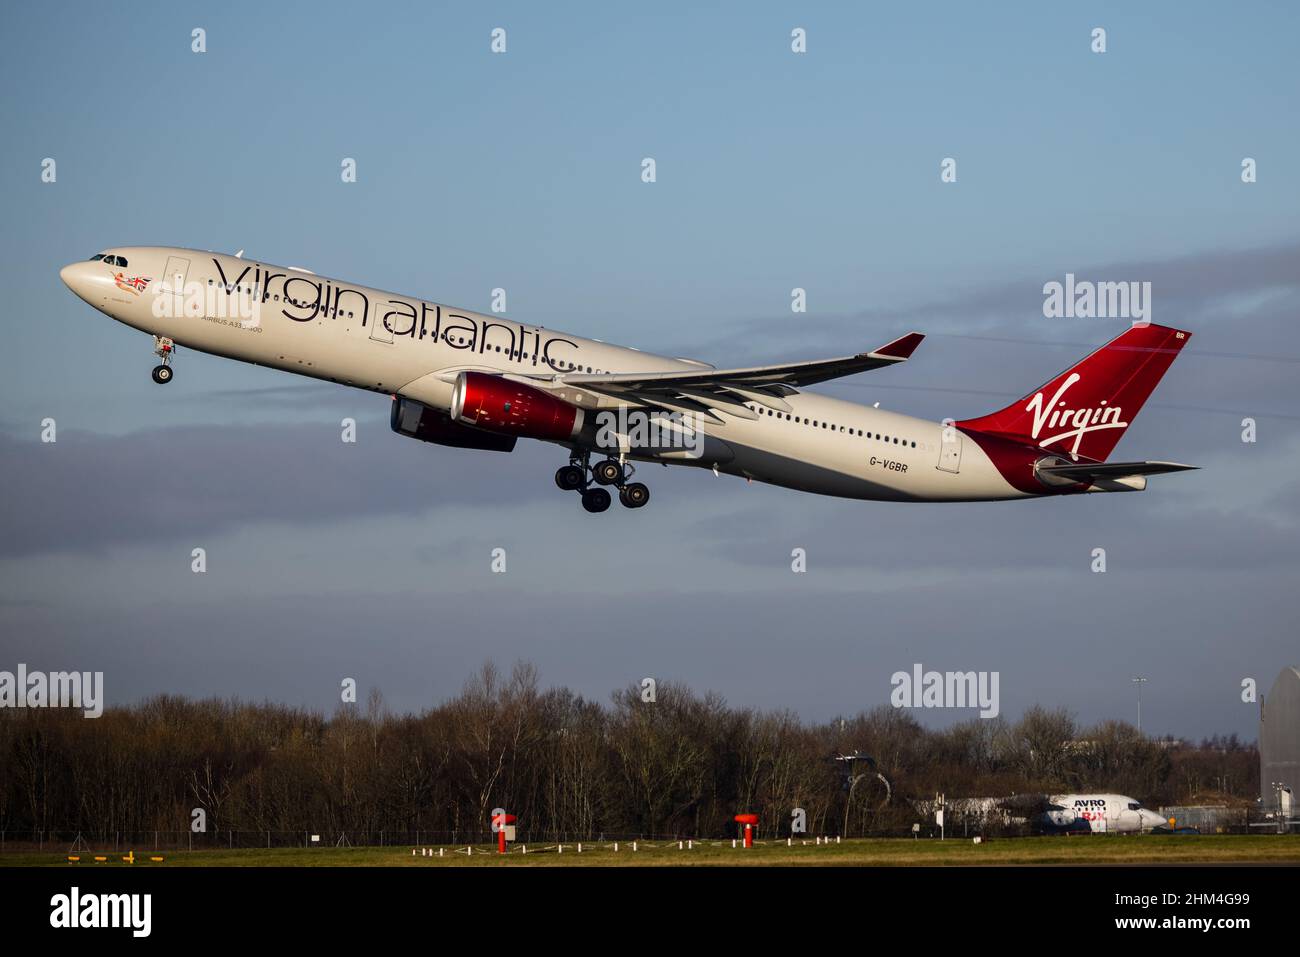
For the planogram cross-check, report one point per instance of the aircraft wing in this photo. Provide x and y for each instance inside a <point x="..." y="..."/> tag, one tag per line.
<point x="1028" y="804"/>
<point x="1086" y="471"/>
<point x="727" y="390"/>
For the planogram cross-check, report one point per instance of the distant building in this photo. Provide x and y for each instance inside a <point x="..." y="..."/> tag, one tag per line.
<point x="1279" y="741"/>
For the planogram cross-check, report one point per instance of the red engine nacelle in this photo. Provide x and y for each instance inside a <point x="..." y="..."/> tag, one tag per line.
<point x="491" y="402"/>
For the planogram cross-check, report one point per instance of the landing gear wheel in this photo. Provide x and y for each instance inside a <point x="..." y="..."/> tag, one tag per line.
<point x="608" y="472"/>
<point x="163" y="347"/>
<point x="634" y="495"/>
<point x="570" y="478"/>
<point x="596" y="499"/>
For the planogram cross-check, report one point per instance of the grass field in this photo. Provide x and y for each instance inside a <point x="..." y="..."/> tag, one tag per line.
<point x="1094" y="850"/>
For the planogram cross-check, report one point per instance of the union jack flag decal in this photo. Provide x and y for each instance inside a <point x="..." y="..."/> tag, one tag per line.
<point x="135" y="284"/>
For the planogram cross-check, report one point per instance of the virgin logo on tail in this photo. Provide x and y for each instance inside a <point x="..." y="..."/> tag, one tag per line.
<point x="1077" y="422"/>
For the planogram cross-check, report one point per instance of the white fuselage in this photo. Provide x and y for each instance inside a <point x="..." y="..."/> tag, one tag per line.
<point x="1104" y="813"/>
<point x="371" y="339"/>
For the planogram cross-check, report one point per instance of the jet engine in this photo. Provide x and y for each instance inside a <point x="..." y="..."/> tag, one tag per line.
<point x="419" y="421"/>
<point x="512" y="408"/>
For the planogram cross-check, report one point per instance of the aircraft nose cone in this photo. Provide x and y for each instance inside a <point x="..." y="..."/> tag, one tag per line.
<point x="83" y="279"/>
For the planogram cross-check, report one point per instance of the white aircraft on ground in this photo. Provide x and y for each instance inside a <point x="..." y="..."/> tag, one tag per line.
<point x="1099" y="813"/>
<point x="468" y="380"/>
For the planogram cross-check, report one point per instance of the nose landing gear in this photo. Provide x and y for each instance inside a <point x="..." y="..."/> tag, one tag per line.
<point x="573" y="478"/>
<point x="163" y="348"/>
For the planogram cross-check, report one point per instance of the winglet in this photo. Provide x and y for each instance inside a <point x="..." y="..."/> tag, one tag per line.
<point x="900" y="348"/>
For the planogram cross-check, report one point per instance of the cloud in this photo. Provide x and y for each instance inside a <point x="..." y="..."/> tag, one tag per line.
<point x="782" y="643"/>
<point x="89" y="491"/>
<point x="1245" y="294"/>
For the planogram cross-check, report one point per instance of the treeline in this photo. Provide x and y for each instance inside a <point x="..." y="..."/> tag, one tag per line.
<point x="568" y="767"/>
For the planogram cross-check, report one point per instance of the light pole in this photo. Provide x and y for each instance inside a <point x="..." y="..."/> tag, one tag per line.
<point x="1139" y="681"/>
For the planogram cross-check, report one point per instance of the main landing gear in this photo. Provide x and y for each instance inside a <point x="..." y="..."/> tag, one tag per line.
<point x="163" y="348"/>
<point x="596" y="498"/>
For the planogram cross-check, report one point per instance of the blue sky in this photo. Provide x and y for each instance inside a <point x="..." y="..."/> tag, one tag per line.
<point x="775" y="170"/>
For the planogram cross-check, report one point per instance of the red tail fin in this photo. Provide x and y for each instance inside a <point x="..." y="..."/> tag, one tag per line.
<point x="1085" y="410"/>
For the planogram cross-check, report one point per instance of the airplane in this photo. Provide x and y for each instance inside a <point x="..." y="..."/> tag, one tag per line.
<point x="1063" y="813"/>
<point x="467" y="380"/>
<point x="1098" y="814"/>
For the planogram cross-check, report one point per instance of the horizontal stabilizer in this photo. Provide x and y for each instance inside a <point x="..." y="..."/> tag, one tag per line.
<point x="1090" y="471"/>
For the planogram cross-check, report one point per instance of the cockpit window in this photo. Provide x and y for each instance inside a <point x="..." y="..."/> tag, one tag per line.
<point x="119" y="261"/>
<point x="97" y="257"/>
<point x="1135" y="805"/>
